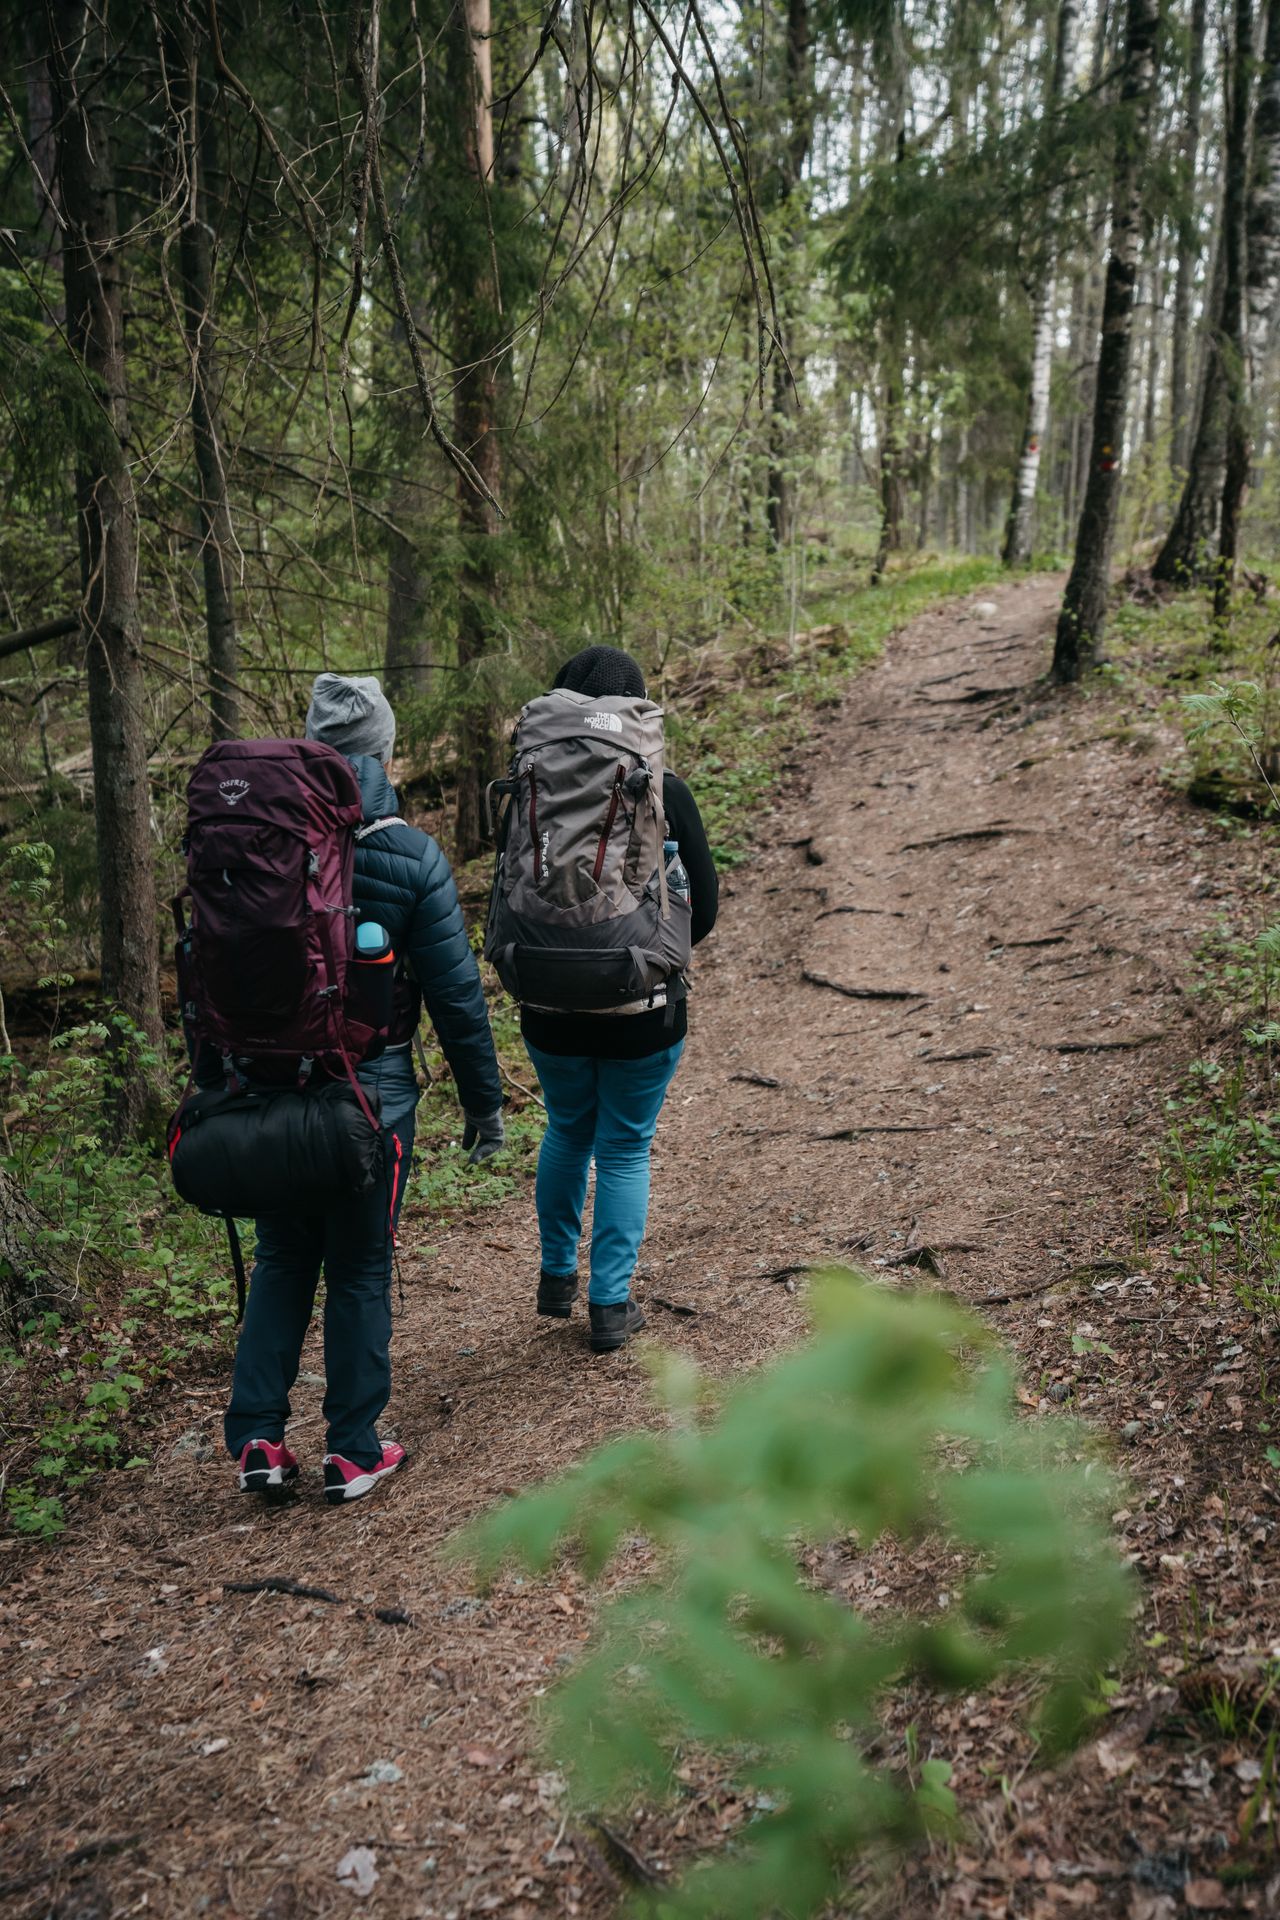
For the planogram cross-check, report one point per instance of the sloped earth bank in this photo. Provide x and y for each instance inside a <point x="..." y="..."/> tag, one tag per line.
<point x="956" y="836"/>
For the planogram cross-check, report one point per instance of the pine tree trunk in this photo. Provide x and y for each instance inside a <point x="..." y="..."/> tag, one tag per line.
<point x="108" y="531"/>
<point x="787" y="368"/>
<point x="1151" y="377"/>
<point x="1181" y="373"/>
<point x="1018" y="535"/>
<point x="1262" y="273"/>
<point x="475" y="419"/>
<point x="1188" y="549"/>
<point x="1213" y="469"/>
<point x="407" y="660"/>
<point x="891" y="456"/>
<point x="1084" y="606"/>
<point x="217" y="541"/>
<point x="44" y="153"/>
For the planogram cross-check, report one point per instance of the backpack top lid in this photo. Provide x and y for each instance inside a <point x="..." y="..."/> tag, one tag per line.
<point x="302" y="785"/>
<point x="632" y="722"/>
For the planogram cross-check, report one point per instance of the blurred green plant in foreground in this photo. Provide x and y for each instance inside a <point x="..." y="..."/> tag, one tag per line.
<point x="894" y="1418"/>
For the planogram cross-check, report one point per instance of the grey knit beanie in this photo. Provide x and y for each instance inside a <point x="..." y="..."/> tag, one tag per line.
<point x="352" y="715"/>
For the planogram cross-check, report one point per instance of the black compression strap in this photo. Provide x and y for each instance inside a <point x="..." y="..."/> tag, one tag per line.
<point x="237" y="1261"/>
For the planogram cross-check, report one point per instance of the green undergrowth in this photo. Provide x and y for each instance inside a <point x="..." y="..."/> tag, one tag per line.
<point x="895" y="1421"/>
<point x="1217" y="682"/>
<point x="153" y="1291"/>
<point x="137" y="1284"/>
<point x="1220" y="1164"/>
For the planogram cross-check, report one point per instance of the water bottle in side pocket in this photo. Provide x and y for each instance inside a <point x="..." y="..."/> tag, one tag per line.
<point x="373" y="978"/>
<point x="677" y="876"/>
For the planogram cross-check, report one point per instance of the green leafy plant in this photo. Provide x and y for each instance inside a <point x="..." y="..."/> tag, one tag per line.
<point x="894" y="1419"/>
<point x="1245" y="709"/>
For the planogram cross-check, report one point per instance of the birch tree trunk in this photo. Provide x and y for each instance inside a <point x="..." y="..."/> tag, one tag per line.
<point x="1018" y="535"/>
<point x="475" y="314"/>
<point x="217" y="540"/>
<point x="108" y="533"/>
<point x="1084" y="607"/>
<point x="1261" y="244"/>
<point x="1181" y="372"/>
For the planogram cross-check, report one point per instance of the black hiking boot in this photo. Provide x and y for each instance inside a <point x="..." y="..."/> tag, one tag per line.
<point x="612" y="1327"/>
<point x="556" y="1294"/>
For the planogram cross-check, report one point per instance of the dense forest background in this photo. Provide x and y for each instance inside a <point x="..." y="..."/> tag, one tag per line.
<point x="436" y="341"/>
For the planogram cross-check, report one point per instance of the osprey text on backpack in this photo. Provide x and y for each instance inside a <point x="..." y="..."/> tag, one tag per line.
<point x="581" y="918"/>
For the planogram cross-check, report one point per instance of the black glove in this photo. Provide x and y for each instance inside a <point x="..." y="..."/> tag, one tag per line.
<point x="484" y="1136"/>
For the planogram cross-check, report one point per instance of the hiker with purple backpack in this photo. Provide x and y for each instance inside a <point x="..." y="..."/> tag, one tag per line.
<point x="604" y="883"/>
<point x="320" y="922"/>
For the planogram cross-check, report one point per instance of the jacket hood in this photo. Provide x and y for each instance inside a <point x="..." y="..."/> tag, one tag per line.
<point x="377" y="795"/>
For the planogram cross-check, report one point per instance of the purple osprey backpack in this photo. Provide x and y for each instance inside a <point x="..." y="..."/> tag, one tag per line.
<point x="266" y="924"/>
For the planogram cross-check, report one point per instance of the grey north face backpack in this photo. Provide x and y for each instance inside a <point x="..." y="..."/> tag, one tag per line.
<point x="581" y="918"/>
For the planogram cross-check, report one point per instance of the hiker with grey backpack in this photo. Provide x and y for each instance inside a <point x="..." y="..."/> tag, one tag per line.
<point x="604" y="883"/>
<point x="314" y="924"/>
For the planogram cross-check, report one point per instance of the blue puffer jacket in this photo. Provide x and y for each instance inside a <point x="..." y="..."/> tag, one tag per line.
<point x="403" y="880"/>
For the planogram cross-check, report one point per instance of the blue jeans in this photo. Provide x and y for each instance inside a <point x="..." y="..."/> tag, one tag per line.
<point x="351" y="1241"/>
<point x="607" y="1109"/>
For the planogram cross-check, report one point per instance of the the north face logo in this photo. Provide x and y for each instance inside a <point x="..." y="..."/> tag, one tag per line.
<point x="233" y="791"/>
<point x="604" y="722"/>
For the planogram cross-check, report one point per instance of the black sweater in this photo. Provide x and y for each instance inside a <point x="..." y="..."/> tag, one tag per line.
<point x="634" y="1036"/>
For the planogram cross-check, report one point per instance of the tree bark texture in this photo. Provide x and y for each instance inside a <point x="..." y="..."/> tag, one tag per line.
<point x="1181" y="371"/>
<point x="1084" y="606"/>
<point x="1188" y="549"/>
<point x="44" y="152"/>
<point x="1261" y="246"/>
<point x="891" y="459"/>
<point x="893" y="347"/>
<point x="1231" y="332"/>
<point x="475" y="326"/>
<point x="1018" y="535"/>
<point x="217" y="540"/>
<point x="108" y="531"/>
<point x="795" y="152"/>
<point x="407" y="660"/>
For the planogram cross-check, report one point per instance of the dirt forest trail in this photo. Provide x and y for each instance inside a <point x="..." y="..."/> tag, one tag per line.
<point x="943" y="1007"/>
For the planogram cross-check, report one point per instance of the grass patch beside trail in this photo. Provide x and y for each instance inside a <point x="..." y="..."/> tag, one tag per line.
<point x="1171" y="649"/>
<point x="1218" y="684"/>
<point x="80" y="1378"/>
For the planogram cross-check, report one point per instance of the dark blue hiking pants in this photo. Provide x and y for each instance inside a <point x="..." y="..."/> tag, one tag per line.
<point x="351" y="1242"/>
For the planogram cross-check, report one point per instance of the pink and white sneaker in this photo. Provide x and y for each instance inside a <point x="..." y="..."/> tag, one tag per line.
<point x="344" y="1480"/>
<point x="268" y="1468"/>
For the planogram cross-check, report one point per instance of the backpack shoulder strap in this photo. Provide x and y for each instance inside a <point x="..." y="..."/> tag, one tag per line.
<point x="376" y="826"/>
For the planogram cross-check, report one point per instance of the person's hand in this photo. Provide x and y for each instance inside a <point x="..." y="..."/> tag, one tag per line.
<point x="482" y="1137"/>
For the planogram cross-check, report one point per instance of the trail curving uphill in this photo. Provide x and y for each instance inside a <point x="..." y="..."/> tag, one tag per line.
<point x="941" y="1011"/>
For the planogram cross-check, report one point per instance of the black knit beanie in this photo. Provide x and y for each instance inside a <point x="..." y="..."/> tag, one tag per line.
<point x="602" y="672"/>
